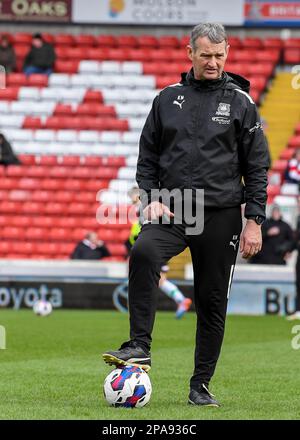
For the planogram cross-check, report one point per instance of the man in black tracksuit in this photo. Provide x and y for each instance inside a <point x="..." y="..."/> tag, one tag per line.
<point x="202" y="133"/>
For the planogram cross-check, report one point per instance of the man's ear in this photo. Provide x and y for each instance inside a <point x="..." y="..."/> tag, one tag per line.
<point x="227" y="50"/>
<point x="189" y="52"/>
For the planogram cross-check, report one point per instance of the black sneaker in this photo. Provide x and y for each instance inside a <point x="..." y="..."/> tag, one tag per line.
<point x="201" y="396"/>
<point x="129" y="354"/>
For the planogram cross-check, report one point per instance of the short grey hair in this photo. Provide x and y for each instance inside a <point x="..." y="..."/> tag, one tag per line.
<point x="214" y="31"/>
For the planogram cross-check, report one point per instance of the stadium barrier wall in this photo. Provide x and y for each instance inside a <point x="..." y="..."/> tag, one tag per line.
<point x="256" y="290"/>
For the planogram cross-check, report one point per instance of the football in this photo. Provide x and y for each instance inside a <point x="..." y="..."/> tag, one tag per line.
<point x="129" y="387"/>
<point x="42" y="308"/>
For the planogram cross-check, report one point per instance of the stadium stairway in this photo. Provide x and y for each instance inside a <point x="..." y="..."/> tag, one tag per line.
<point x="281" y="111"/>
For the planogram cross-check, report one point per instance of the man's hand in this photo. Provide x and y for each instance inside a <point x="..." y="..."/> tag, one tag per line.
<point x="156" y="210"/>
<point x="251" y="239"/>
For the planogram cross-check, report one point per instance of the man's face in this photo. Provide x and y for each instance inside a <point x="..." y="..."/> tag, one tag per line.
<point x="94" y="238"/>
<point x="276" y="214"/>
<point x="37" y="42"/>
<point x="208" y="59"/>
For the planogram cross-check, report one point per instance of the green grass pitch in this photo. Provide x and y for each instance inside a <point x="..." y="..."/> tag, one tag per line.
<point x="52" y="367"/>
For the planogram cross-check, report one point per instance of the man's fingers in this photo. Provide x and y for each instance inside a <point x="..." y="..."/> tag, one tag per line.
<point x="167" y="211"/>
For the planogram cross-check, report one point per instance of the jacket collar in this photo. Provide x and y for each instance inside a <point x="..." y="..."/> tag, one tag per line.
<point x="205" y="84"/>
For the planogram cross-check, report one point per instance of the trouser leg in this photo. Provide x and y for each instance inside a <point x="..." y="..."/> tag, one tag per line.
<point x="155" y="245"/>
<point x="213" y="253"/>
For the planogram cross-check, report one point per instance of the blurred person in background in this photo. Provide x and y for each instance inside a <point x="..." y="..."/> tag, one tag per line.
<point x="166" y="286"/>
<point x="7" y="55"/>
<point x="278" y="240"/>
<point x="90" y="248"/>
<point x="296" y="315"/>
<point x="40" y="58"/>
<point x="7" y="155"/>
<point x="292" y="172"/>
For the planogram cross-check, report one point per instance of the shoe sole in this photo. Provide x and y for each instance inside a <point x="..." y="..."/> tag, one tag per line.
<point x="113" y="360"/>
<point x="213" y="405"/>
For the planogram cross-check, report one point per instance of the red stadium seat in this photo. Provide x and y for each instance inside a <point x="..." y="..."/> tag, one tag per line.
<point x="69" y="161"/>
<point x="142" y="54"/>
<point x="75" y="53"/>
<point x="235" y="42"/>
<point x="297" y="129"/>
<point x="66" y="66"/>
<point x="287" y="154"/>
<point x="92" y="109"/>
<point x="31" y="122"/>
<point x="272" y="43"/>
<point x="16" y="80"/>
<point x="55" y="208"/>
<point x="93" y="96"/>
<point x="96" y="53"/>
<point x="21" y="38"/>
<point x="279" y="166"/>
<point x="24" y="247"/>
<point x="28" y="183"/>
<point x="9" y="94"/>
<point x="47" y="248"/>
<point x="252" y="42"/>
<point x="184" y="41"/>
<point x="59" y="234"/>
<point x="34" y="233"/>
<point x="21" y="51"/>
<point x="37" y="80"/>
<point x="127" y="41"/>
<point x="63" y="109"/>
<point x="46" y="160"/>
<point x="64" y="40"/>
<point x="118" y="54"/>
<point x="117" y="250"/>
<point x="61" y="52"/>
<point x="42" y="221"/>
<point x="63" y="196"/>
<point x="27" y="159"/>
<point x="41" y="196"/>
<point x="291" y="43"/>
<point x="294" y="142"/>
<point x="12" y="232"/>
<point x="149" y="41"/>
<point x="292" y="56"/>
<point x="32" y="207"/>
<point x="106" y="41"/>
<point x="85" y="41"/>
<point x="8" y="207"/>
<point x="168" y="41"/>
<point x="92" y="161"/>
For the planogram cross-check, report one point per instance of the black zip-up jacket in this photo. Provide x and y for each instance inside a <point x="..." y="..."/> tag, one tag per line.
<point x="43" y="57"/>
<point x="206" y="135"/>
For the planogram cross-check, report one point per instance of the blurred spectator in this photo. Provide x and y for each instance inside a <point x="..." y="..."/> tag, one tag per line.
<point x="91" y="248"/>
<point x="278" y="240"/>
<point x="40" y="58"/>
<point x="7" y="156"/>
<point x="292" y="173"/>
<point x="7" y="54"/>
<point x="296" y="315"/>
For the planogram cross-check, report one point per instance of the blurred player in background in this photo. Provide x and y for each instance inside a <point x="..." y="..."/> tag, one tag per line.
<point x="166" y="286"/>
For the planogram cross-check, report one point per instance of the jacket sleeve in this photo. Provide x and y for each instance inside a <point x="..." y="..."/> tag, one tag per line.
<point x="255" y="162"/>
<point x="147" y="175"/>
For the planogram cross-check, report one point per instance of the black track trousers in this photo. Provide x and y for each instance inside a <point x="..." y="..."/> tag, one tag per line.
<point x="213" y="255"/>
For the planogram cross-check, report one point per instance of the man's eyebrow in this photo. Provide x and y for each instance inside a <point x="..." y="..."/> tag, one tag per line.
<point x="209" y="54"/>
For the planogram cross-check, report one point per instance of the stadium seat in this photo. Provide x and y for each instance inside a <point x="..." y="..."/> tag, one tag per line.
<point x="106" y="41"/>
<point x="168" y="41"/>
<point x="149" y="41"/>
<point x="126" y="41"/>
<point x="85" y="41"/>
<point x="64" y="40"/>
